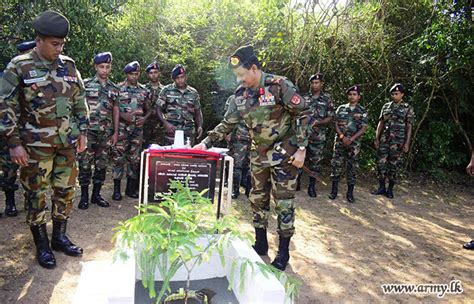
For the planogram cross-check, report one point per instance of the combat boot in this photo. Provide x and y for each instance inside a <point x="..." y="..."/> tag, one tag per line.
<point x="116" y="196"/>
<point x="248" y="185"/>
<point x="130" y="189"/>
<point x="235" y="188"/>
<point x="298" y="182"/>
<point x="10" y="208"/>
<point x="60" y="242"/>
<point x="44" y="255"/>
<point x="97" y="198"/>
<point x="333" y="194"/>
<point x="261" y="242"/>
<point x="350" y="194"/>
<point x="381" y="190"/>
<point x="84" y="202"/>
<point x="389" y="193"/>
<point x="283" y="254"/>
<point x="312" y="187"/>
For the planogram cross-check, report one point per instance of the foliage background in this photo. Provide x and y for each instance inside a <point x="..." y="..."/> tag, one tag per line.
<point x="427" y="45"/>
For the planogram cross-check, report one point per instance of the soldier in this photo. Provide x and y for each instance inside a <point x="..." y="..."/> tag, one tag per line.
<point x="392" y="138"/>
<point x="52" y="125"/>
<point x="322" y="110"/>
<point x="102" y="99"/>
<point x="178" y="107"/>
<point x="470" y="170"/>
<point x="350" y="122"/>
<point x="153" y="129"/>
<point x="277" y="122"/>
<point x="134" y="105"/>
<point x="239" y="148"/>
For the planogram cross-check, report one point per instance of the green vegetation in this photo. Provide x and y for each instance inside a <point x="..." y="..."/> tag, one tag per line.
<point x="426" y="46"/>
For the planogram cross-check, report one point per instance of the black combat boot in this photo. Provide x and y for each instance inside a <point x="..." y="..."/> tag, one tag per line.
<point x="84" y="202"/>
<point x="283" y="254"/>
<point x="130" y="190"/>
<point x="235" y="188"/>
<point x="97" y="198"/>
<point x="381" y="190"/>
<point x="10" y="208"/>
<point x="312" y="187"/>
<point x="44" y="255"/>
<point x="350" y="194"/>
<point x="261" y="243"/>
<point x="298" y="182"/>
<point x="389" y="193"/>
<point x="60" y="242"/>
<point x="248" y="185"/>
<point x="116" y="196"/>
<point x="333" y="194"/>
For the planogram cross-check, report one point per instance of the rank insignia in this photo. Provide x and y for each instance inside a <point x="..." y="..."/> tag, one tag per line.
<point x="70" y="78"/>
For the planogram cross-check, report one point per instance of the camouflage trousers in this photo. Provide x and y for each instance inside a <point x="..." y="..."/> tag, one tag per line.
<point x="189" y="132"/>
<point x="127" y="152"/>
<point x="349" y="155"/>
<point x="97" y="154"/>
<point x="153" y="132"/>
<point x="49" y="166"/>
<point x="240" y="151"/>
<point x="280" y="182"/>
<point x="314" y="155"/>
<point x="389" y="161"/>
<point x="9" y="169"/>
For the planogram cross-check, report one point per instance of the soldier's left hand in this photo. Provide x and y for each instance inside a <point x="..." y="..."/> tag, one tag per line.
<point x="81" y="143"/>
<point x="297" y="159"/>
<point x="114" y="139"/>
<point x="406" y="148"/>
<point x="199" y="130"/>
<point x="140" y="121"/>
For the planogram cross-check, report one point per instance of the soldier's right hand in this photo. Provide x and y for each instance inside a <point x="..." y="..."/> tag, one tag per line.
<point x="200" y="146"/>
<point x="19" y="156"/>
<point x="170" y="129"/>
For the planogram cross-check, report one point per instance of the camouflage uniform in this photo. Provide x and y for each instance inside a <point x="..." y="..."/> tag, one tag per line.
<point x="153" y="132"/>
<point x="272" y="119"/>
<point x="9" y="169"/>
<point x="101" y="99"/>
<point x="178" y="108"/>
<point x="395" y="117"/>
<point x="53" y="113"/>
<point x="350" y="121"/>
<point x="321" y="107"/>
<point x="132" y="99"/>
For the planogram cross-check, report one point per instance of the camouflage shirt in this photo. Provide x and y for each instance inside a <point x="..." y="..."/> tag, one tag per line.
<point x="351" y="121"/>
<point x="271" y="117"/>
<point x="321" y="107"/>
<point x="396" y="117"/>
<point x="134" y="99"/>
<point x="101" y="98"/>
<point x="153" y="92"/>
<point x="51" y="99"/>
<point x="240" y="132"/>
<point x="178" y="106"/>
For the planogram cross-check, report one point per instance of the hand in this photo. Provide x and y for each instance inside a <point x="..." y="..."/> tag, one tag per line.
<point x="114" y="139"/>
<point x="170" y="129"/>
<point x="140" y="121"/>
<point x="128" y="117"/>
<point x="469" y="168"/>
<point x="406" y="148"/>
<point x="200" y="146"/>
<point x="199" y="130"/>
<point x="346" y="141"/>
<point x="81" y="143"/>
<point x="377" y="143"/>
<point x="19" y="156"/>
<point x="297" y="159"/>
<point x="282" y="83"/>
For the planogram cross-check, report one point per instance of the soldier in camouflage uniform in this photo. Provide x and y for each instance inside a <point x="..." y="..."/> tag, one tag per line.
<point x="153" y="132"/>
<point x="392" y="138"/>
<point x="134" y="105"/>
<point x="350" y="122"/>
<point x="178" y="108"/>
<point x="239" y="148"/>
<point x="102" y="98"/>
<point x="52" y="125"/>
<point x="277" y="120"/>
<point x="322" y="110"/>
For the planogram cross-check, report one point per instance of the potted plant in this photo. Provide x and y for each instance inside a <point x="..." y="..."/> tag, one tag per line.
<point x="183" y="231"/>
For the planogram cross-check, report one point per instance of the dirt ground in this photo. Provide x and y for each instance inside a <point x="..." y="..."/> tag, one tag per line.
<point x="341" y="252"/>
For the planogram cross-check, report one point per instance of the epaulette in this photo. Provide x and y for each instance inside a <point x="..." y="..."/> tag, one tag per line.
<point x="192" y="89"/>
<point x="239" y="91"/>
<point x="67" y="58"/>
<point x="22" y="57"/>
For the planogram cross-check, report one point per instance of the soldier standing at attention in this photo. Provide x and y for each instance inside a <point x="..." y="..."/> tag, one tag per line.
<point x="134" y="105"/>
<point x="10" y="169"/>
<point x="350" y="122"/>
<point x="102" y="99"/>
<point x="392" y="138"/>
<point x="322" y="110"/>
<point x="153" y="129"/>
<point x="52" y="126"/>
<point x="277" y="122"/>
<point x="178" y="108"/>
<point x="470" y="170"/>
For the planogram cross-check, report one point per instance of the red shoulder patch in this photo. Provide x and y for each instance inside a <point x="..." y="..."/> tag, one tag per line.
<point x="295" y="100"/>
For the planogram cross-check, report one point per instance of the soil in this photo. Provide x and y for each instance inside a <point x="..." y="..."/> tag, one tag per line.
<point x="341" y="252"/>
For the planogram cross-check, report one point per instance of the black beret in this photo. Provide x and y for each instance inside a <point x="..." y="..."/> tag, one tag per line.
<point x="25" y="46"/>
<point x="51" y="23"/>
<point x="105" y="57"/>
<point x="317" y="76"/>
<point x="177" y="70"/>
<point x="243" y="55"/>
<point x="353" y="88"/>
<point x="152" y="66"/>
<point x="398" y="87"/>
<point x="132" y="67"/>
